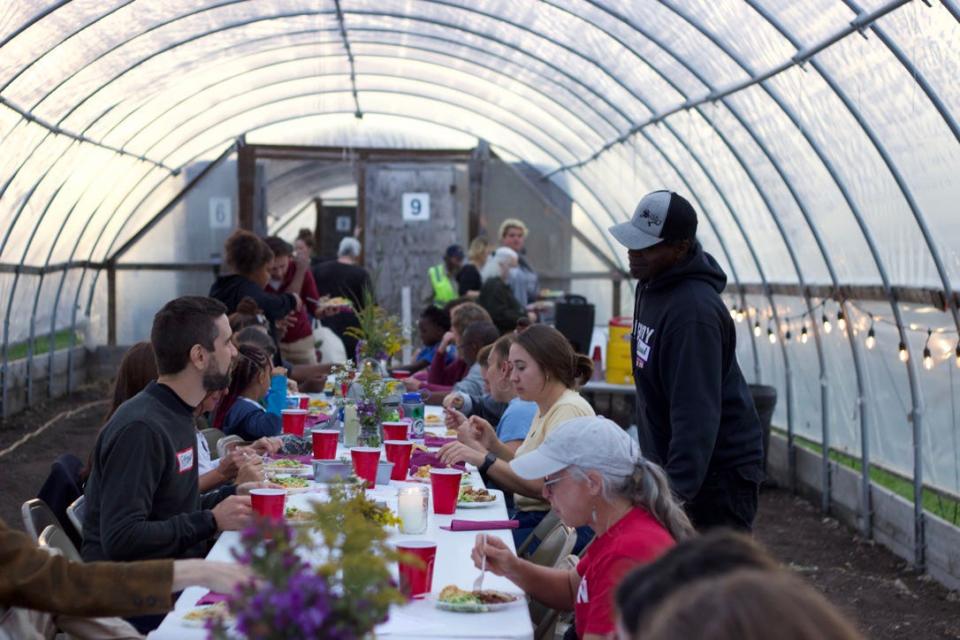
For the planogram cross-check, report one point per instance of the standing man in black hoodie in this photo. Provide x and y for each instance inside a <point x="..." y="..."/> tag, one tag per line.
<point x="696" y="414"/>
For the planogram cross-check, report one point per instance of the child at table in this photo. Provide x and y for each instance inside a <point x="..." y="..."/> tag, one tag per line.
<point x="240" y="412"/>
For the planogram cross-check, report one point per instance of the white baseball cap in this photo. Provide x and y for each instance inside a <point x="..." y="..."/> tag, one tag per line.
<point x="591" y="442"/>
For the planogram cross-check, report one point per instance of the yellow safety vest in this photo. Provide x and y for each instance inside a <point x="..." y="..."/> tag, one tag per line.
<point x="443" y="290"/>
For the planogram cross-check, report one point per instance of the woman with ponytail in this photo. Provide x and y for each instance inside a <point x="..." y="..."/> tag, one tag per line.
<point x="593" y="474"/>
<point x="546" y="370"/>
<point x="240" y="412"/>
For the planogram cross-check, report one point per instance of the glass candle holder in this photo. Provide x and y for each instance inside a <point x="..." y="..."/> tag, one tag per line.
<point x="412" y="506"/>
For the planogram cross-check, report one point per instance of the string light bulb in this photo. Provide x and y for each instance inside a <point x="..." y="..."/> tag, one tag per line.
<point x="734" y="312"/>
<point x="827" y="327"/>
<point x="904" y="355"/>
<point x="841" y="321"/>
<point x="927" y="355"/>
<point x="787" y="335"/>
<point x="771" y="336"/>
<point x="741" y="315"/>
<point x="756" y="329"/>
<point x="958" y="355"/>
<point x="871" y="340"/>
<point x="804" y="336"/>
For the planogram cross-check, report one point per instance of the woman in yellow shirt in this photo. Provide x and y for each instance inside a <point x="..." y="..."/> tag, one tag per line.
<point x="546" y="370"/>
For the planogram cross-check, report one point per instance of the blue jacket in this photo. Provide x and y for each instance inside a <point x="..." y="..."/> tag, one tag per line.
<point x="250" y="421"/>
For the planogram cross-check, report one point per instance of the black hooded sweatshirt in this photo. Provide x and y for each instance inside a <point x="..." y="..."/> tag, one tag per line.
<point x="696" y="414"/>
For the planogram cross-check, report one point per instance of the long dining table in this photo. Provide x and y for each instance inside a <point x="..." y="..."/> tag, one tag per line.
<point x="419" y="618"/>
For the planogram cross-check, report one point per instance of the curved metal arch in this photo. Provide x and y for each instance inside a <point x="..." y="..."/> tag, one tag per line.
<point x="864" y="423"/>
<point x="882" y="152"/>
<point x="824" y="377"/>
<point x="407" y="47"/>
<point x="32" y="21"/>
<point x="918" y="408"/>
<point x="74" y="33"/>
<point x="123" y="43"/>
<point x="562" y="127"/>
<point x="459" y="106"/>
<point x="828" y="165"/>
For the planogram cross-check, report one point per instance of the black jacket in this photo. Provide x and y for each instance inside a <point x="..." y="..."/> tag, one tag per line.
<point x="230" y="290"/>
<point x="143" y="499"/>
<point x="499" y="301"/>
<point x="696" y="414"/>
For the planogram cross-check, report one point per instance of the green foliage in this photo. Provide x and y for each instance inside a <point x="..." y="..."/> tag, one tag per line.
<point x="380" y="333"/>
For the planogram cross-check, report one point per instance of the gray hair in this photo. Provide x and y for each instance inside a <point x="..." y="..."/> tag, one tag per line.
<point x="349" y="247"/>
<point x="500" y="257"/>
<point x="649" y="488"/>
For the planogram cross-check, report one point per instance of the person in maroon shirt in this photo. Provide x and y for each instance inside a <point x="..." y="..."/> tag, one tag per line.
<point x="290" y="273"/>
<point x="593" y="475"/>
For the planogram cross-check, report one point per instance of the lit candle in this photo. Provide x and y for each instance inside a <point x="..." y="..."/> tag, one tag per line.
<point x="412" y="505"/>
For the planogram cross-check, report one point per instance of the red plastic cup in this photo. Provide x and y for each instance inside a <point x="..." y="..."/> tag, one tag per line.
<point x="325" y="444"/>
<point x="268" y="503"/>
<point x="445" y="487"/>
<point x="400" y="374"/>
<point x="365" y="462"/>
<point x="395" y="430"/>
<point x="398" y="452"/>
<point x="416" y="579"/>
<point x="304" y="401"/>
<point x="294" y="421"/>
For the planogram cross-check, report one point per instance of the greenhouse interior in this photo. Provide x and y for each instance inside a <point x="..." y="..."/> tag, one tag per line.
<point x="818" y="144"/>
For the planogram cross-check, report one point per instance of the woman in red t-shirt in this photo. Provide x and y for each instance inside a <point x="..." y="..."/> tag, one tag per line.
<point x="593" y="475"/>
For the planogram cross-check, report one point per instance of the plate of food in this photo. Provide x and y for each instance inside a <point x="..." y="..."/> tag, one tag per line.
<point x="289" y="467"/>
<point x="293" y="484"/>
<point x="317" y="403"/>
<point x="471" y="498"/>
<point x="453" y="598"/>
<point x="433" y="420"/>
<point x="198" y="617"/>
<point x="293" y="515"/>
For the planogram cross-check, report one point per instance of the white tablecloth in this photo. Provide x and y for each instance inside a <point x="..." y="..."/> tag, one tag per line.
<point x="420" y="619"/>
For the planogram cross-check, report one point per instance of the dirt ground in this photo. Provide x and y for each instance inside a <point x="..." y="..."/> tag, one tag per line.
<point x="877" y="589"/>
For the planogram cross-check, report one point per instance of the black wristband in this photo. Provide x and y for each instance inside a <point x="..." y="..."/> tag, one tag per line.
<point x="487" y="462"/>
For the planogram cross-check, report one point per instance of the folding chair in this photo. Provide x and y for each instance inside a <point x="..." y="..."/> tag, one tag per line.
<point x="539" y="532"/>
<point x="75" y="512"/>
<point x="53" y="537"/>
<point x="213" y="436"/>
<point x="554" y="551"/>
<point x="62" y="487"/>
<point x="226" y="443"/>
<point x="37" y="516"/>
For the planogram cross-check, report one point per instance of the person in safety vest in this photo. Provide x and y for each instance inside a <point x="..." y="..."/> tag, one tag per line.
<point x="441" y="278"/>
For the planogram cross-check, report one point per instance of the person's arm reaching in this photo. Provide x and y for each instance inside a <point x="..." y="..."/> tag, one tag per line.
<point x="135" y="465"/>
<point x="692" y="371"/>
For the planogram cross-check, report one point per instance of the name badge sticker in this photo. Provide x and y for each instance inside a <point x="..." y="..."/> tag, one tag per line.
<point x="185" y="460"/>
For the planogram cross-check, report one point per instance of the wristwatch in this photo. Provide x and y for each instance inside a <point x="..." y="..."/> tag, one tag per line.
<point x="487" y="462"/>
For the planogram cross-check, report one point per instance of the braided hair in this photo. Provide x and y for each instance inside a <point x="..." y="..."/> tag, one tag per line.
<point x="250" y="363"/>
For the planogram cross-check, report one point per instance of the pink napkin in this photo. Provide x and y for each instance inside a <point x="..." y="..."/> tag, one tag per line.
<point x="480" y="525"/>
<point x="315" y="419"/>
<point x="213" y="598"/>
<point x="420" y="458"/>
<point x="436" y="441"/>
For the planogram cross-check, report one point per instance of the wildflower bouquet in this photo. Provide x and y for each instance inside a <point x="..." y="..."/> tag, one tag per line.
<point x="371" y="409"/>
<point x="380" y="335"/>
<point x="342" y="598"/>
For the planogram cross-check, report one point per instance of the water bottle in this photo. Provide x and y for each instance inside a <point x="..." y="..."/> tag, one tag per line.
<point x="413" y="409"/>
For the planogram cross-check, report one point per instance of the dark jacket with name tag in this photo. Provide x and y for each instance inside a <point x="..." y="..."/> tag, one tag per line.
<point x="143" y="497"/>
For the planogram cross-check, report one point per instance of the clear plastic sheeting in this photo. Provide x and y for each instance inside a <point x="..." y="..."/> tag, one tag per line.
<point x="819" y="142"/>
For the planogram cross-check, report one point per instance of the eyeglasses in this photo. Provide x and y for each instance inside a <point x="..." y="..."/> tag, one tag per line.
<point x="547" y="483"/>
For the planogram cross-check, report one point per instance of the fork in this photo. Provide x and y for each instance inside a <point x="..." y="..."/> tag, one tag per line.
<point x="478" y="583"/>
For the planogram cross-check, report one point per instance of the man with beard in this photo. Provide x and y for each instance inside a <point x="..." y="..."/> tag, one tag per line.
<point x="696" y="415"/>
<point x="142" y="498"/>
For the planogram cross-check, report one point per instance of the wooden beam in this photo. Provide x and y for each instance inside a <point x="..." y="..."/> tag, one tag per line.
<point x="246" y="184"/>
<point x="476" y="169"/>
<point x="111" y="306"/>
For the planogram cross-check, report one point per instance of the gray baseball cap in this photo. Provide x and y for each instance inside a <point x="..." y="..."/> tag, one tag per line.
<point x="660" y="215"/>
<point x="591" y="442"/>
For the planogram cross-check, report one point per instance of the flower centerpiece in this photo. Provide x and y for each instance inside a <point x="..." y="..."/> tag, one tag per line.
<point x="379" y="334"/>
<point x="371" y="407"/>
<point x="343" y="597"/>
